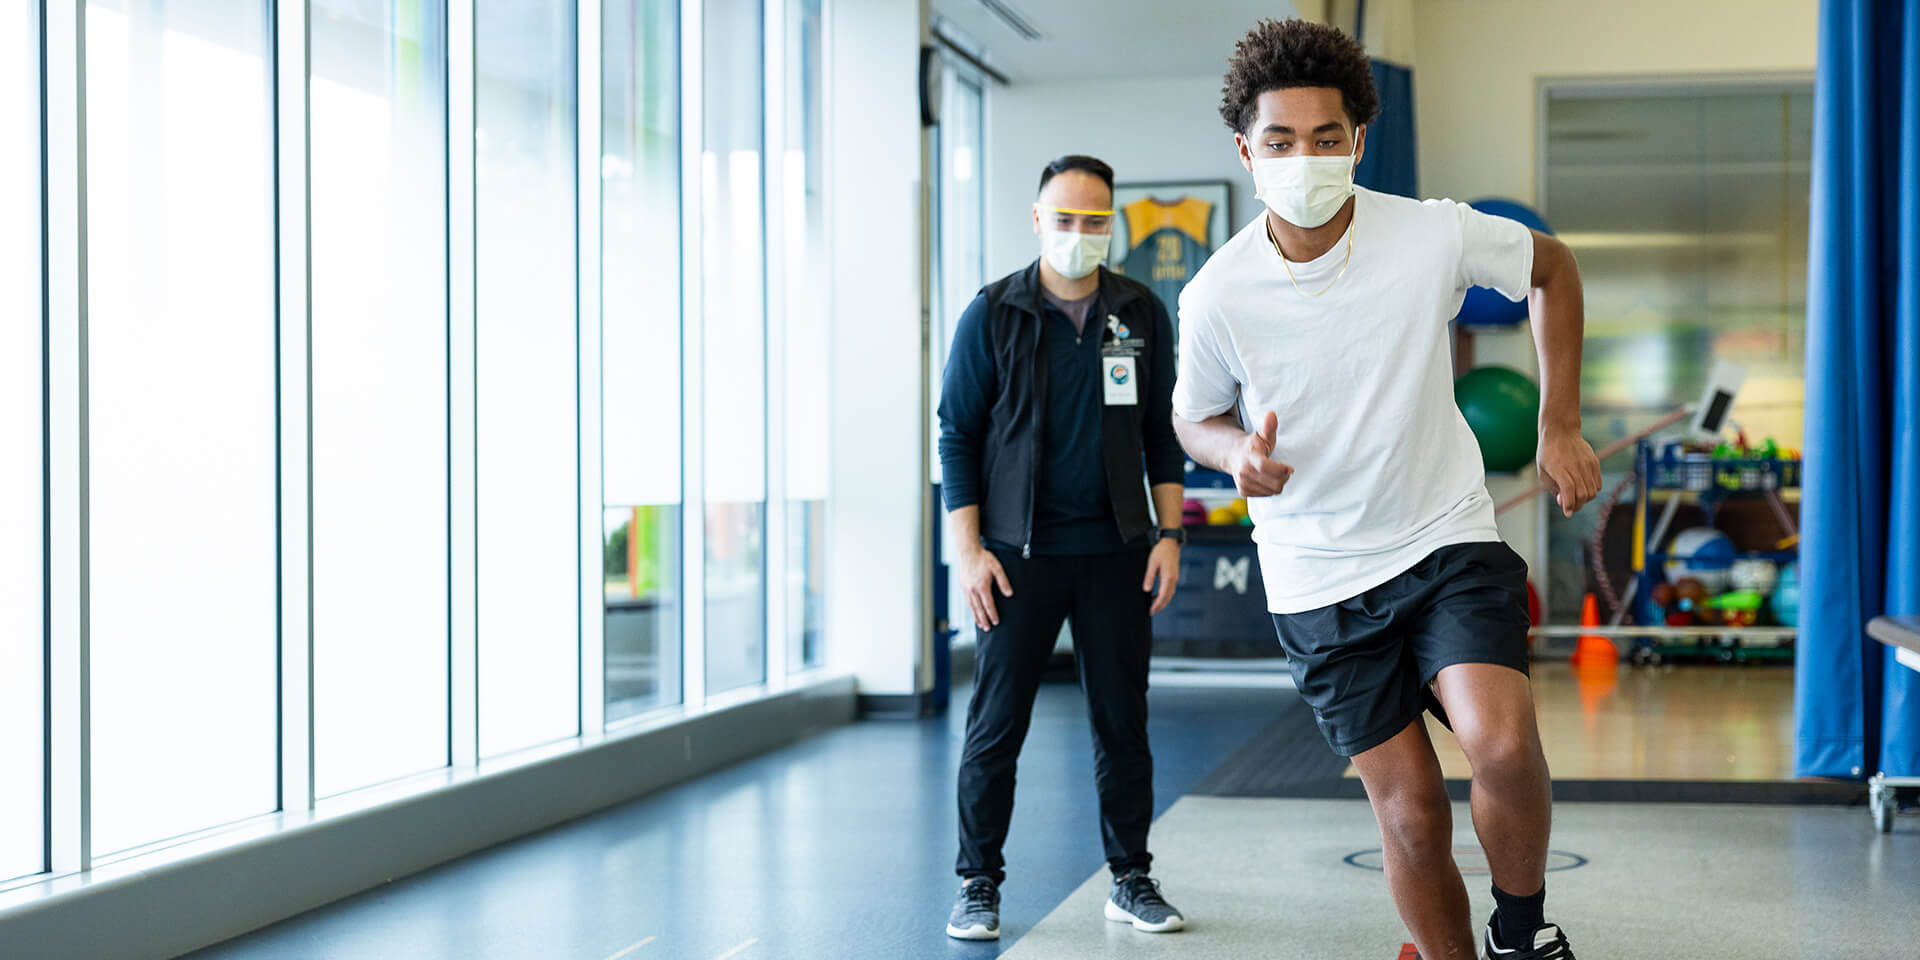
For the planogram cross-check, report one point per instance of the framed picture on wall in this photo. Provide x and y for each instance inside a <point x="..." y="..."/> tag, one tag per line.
<point x="1164" y="231"/>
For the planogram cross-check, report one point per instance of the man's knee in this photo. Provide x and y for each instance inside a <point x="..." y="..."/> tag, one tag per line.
<point x="1503" y="752"/>
<point x="1120" y="728"/>
<point x="1420" y="829"/>
<point x="994" y="740"/>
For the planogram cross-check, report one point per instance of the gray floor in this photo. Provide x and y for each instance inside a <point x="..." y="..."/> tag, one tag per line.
<point x="840" y="847"/>
<point x="1268" y="879"/>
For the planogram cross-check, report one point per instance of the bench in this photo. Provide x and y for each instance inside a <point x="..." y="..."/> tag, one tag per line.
<point x="1883" y="792"/>
<point x="1900" y="633"/>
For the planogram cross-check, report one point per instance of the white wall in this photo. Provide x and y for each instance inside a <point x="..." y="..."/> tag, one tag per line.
<point x="1165" y="128"/>
<point x="879" y="507"/>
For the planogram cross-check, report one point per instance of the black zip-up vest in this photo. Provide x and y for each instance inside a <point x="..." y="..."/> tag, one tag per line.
<point x="1010" y="461"/>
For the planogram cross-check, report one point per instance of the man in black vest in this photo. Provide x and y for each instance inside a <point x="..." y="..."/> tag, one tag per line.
<point x="1058" y="395"/>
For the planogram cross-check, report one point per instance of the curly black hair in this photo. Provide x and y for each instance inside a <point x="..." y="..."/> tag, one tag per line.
<point x="1279" y="55"/>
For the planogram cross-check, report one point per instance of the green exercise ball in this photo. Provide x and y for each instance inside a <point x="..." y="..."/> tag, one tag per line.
<point x="1502" y="407"/>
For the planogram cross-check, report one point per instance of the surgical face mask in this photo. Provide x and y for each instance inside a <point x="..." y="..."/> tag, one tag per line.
<point x="1074" y="255"/>
<point x="1305" y="191"/>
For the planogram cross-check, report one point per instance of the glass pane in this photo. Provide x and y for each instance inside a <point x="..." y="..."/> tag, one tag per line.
<point x="183" y="544"/>
<point x="22" y="513"/>
<point x="1689" y="214"/>
<point x="960" y="263"/>
<point x="803" y="242"/>
<point x="962" y="210"/>
<point x="640" y="351"/>
<point x="961" y="260"/>
<point x="527" y="357"/>
<point x="643" y="621"/>
<point x="806" y="582"/>
<point x="379" y="390"/>
<point x="1688" y="210"/>
<point x="736" y="608"/>
<point x="735" y="402"/>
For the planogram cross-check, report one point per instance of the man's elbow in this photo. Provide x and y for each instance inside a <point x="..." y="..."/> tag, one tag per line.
<point x="958" y="448"/>
<point x="1553" y="262"/>
<point x="1184" y="432"/>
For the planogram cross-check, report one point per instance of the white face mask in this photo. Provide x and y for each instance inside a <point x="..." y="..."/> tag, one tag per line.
<point x="1074" y="255"/>
<point x="1305" y="191"/>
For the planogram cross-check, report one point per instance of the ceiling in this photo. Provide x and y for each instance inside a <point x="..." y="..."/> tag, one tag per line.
<point x="1108" y="39"/>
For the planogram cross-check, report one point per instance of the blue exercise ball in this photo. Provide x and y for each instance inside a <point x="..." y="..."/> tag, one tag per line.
<point x="1484" y="307"/>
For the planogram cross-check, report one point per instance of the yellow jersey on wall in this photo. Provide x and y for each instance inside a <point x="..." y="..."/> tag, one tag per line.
<point x="1166" y="244"/>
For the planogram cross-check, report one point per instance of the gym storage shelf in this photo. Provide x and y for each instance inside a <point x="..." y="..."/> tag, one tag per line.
<point x="1683" y="476"/>
<point x="1702" y="474"/>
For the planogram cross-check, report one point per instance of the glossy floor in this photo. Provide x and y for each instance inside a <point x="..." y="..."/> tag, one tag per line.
<point x="839" y="847"/>
<point x="842" y="847"/>
<point x="1730" y="722"/>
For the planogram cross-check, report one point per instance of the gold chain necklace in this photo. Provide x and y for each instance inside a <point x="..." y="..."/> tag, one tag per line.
<point x="1289" y="268"/>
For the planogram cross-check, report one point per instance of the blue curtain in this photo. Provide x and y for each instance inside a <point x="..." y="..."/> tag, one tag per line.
<point x="1857" y="711"/>
<point x="1391" y="163"/>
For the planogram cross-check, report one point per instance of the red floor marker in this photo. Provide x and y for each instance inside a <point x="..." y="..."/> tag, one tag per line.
<point x="1407" y="952"/>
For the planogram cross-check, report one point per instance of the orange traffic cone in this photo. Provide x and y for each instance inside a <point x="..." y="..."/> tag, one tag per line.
<point x="1593" y="650"/>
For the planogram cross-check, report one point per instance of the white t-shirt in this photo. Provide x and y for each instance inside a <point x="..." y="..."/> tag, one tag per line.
<point x="1385" y="469"/>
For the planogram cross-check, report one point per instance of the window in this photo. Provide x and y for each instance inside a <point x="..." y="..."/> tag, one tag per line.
<point x="803" y="242"/>
<point x="1687" y="206"/>
<point x="641" y="355"/>
<point x="1689" y="213"/>
<point x="960" y="263"/>
<point x="962" y="200"/>
<point x="182" y="424"/>
<point x="369" y="457"/>
<point x="380" y="417"/>
<point x="960" y="236"/>
<point x="734" y="409"/>
<point x="22" y="456"/>
<point x="527" y="338"/>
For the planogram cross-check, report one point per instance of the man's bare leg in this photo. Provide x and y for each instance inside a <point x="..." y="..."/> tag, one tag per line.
<point x="1491" y="710"/>
<point x="1409" y="797"/>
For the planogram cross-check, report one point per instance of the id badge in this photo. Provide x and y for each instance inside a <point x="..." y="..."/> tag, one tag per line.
<point x="1122" y="380"/>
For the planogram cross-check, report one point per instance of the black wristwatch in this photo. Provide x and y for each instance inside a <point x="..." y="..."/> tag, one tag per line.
<point x="1176" y="534"/>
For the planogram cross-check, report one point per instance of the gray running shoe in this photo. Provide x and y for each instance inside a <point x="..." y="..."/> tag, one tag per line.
<point x="976" y="911"/>
<point x="1136" y="899"/>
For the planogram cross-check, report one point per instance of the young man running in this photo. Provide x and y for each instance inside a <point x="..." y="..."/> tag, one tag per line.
<point x="1314" y="368"/>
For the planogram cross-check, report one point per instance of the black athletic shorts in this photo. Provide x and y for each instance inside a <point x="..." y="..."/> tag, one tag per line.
<point x="1366" y="664"/>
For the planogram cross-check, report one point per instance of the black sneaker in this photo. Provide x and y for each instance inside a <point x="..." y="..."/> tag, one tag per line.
<point x="1549" y="943"/>
<point x="1136" y="899"/>
<point x="976" y="911"/>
